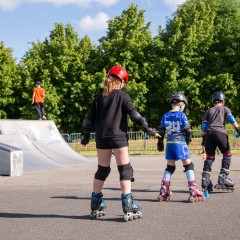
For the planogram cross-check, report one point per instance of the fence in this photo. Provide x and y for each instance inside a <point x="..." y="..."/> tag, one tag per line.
<point x="140" y="143"/>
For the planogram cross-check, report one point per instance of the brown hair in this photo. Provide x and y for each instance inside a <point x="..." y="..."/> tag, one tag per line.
<point x="110" y="83"/>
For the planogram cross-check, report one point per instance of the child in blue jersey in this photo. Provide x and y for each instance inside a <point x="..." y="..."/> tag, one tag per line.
<point x="175" y="124"/>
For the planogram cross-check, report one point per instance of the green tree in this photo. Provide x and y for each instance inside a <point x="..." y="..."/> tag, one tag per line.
<point x="191" y="40"/>
<point x="127" y="44"/>
<point x="63" y="63"/>
<point x="222" y="63"/>
<point x="9" y="81"/>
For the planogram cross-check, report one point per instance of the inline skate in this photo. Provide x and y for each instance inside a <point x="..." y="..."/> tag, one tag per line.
<point x="224" y="183"/>
<point x="195" y="194"/>
<point x="206" y="182"/>
<point x="98" y="205"/>
<point x="165" y="193"/>
<point x="131" y="210"/>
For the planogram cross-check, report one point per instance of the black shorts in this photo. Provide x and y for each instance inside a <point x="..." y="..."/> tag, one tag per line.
<point x="216" y="139"/>
<point x="111" y="144"/>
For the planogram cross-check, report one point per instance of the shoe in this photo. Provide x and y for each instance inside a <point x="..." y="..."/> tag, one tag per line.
<point x="44" y="118"/>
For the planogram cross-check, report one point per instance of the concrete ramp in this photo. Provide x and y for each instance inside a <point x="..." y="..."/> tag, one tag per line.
<point x="42" y="144"/>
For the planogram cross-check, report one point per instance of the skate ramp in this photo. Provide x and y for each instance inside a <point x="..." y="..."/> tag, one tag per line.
<point x="42" y="144"/>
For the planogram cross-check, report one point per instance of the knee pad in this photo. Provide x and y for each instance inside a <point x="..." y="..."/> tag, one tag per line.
<point x="102" y="173"/>
<point x="190" y="166"/>
<point x="126" y="172"/>
<point x="170" y="169"/>
<point x="227" y="154"/>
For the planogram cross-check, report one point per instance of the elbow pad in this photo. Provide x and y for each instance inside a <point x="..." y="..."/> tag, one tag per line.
<point x="137" y="118"/>
<point x="87" y="124"/>
<point x="188" y="134"/>
<point x="231" y="119"/>
<point x="204" y="126"/>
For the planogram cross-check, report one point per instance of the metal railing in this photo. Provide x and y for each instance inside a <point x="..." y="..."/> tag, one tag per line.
<point x="140" y="143"/>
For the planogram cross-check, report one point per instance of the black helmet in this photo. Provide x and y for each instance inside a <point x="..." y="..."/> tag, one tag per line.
<point x="178" y="97"/>
<point x="218" y="96"/>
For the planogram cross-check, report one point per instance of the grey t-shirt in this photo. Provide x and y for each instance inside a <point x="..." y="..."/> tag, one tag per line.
<point x="216" y="118"/>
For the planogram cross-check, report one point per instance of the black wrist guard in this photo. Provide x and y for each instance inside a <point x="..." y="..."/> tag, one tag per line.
<point x="160" y="145"/>
<point x="85" y="139"/>
<point x="188" y="134"/>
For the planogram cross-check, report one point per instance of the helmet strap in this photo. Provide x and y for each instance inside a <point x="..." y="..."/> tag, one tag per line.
<point x="122" y="85"/>
<point x="182" y="106"/>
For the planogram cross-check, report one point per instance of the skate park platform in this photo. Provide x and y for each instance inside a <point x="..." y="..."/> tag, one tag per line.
<point x="55" y="204"/>
<point x="42" y="144"/>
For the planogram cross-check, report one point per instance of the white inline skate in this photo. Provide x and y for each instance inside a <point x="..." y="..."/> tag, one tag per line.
<point x="131" y="210"/>
<point x="98" y="205"/>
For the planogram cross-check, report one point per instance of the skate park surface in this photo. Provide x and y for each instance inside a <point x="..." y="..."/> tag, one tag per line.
<point x="42" y="144"/>
<point x="55" y="204"/>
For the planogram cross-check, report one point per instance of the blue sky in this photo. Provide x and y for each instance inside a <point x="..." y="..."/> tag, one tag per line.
<point x="25" y="21"/>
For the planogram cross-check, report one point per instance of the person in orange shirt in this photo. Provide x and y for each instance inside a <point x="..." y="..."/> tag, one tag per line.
<point x="38" y="100"/>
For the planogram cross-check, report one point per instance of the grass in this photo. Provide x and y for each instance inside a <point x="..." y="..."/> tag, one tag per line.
<point x="149" y="147"/>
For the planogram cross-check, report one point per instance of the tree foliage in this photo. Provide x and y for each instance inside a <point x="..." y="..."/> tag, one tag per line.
<point x="63" y="63"/>
<point x="127" y="44"/>
<point x="197" y="54"/>
<point x="9" y="81"/>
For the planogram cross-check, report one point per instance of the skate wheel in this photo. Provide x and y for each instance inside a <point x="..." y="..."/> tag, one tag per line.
<point x="160" y="199"/>
<point x="93" y="216"/>
<point x="125" y="218"/>
<point x="135" y="216"/>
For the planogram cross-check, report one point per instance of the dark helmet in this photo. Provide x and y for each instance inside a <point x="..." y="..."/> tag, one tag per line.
<point x="178" y="97"/>
<point x="218" y="96"/>
<point x="120" y="72"/>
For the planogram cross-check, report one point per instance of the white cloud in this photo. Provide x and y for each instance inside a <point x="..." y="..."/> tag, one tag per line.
<point x="174" y="3"/>
<point x="107" y="2"/>
<point x="97" y="22"/>
<point x="11" y="4"/>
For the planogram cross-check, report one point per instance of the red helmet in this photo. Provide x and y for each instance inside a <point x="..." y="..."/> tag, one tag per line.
<point x="119" y="72"/>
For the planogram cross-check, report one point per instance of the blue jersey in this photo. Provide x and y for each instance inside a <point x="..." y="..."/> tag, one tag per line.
<point x="174" y="122"/>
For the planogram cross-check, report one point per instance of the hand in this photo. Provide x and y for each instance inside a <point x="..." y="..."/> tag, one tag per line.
<point x="238" y="130"/>
<point x="85" y="139"/>
<point x="151" y="131"/>
<point x="157" y="135"/>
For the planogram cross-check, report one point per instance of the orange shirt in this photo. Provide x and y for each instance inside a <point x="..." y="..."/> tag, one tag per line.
<point x="39" y="94"/>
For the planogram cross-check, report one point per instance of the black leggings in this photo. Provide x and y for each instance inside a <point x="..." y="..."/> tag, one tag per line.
<point x="216" y="139"/>
<point x="213" y="140"/>
<point x="40" y="109"/>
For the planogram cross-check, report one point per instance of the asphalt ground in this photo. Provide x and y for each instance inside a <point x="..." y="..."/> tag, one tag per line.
<point x="56" y="205"/>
